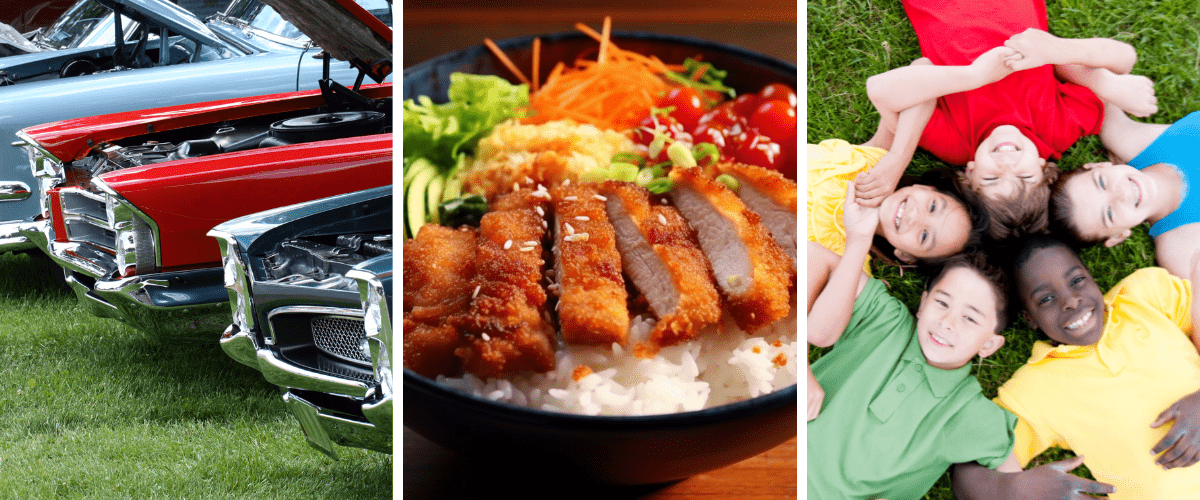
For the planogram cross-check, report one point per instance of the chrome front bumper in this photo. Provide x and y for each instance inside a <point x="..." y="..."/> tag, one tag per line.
<point x="322" y="426"/>
<point x="186" y="300"/>
<point x="12" y="239"/>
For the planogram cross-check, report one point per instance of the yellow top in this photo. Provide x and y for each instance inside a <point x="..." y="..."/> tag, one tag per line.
<point x="1100" y="400"/>
<point x="832" y="166"/>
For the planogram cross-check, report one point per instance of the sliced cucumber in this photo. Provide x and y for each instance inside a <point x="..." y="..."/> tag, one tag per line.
<point x="415" y="199"/>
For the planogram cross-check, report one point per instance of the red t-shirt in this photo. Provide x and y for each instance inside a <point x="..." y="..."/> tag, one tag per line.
<point x="1053" y="114"/>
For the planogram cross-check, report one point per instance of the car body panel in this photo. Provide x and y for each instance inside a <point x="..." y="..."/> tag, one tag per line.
<point x="335" y="403"/>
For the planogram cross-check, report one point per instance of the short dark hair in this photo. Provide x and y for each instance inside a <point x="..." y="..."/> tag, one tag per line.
<point x="1025" y="214"/>
<point x="978" y="262"/>
<point x="1024" y="250"/>
<point x="1061" y="206"/>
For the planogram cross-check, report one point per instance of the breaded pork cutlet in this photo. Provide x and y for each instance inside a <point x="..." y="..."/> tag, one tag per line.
<point x="770" y="195"/>
<point x="752" y="271"/>
<point x="439" y="268"/>
<point x="505" y="330"/>
<point x="662" y="258"/>
<point x="592" y="296"/>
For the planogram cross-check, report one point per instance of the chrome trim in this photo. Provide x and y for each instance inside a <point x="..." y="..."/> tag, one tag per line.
<point x="380" y="413"/>
<point x="309" y="416"/>
<point x="12" y="238"/>
<point x="240" y="345"/>
<point x="124" y="217"/>
<point x="236" y="280"/>
<point x="340" y="430"/>
<point x="29" y="142"/>
<point x="14" y="191"/>
<point x="282" y="373"/>
<point x="269" y="331"/>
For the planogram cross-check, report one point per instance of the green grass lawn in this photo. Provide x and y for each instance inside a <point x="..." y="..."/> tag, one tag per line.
<point x="850" y="40"/>
<point x="92" y="409"/>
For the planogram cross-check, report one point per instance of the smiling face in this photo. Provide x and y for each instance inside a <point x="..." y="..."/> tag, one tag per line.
<point x="922" y="222"/>
<point x="1108" y="200"/>
<point x="1060" y="296"/>
<point x="957" y="319"/>
<point x="1004" y="162"/>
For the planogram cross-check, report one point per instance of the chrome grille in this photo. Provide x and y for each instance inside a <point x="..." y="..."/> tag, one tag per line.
<point x="85" y="218"/>
<point x="340" y="337"/>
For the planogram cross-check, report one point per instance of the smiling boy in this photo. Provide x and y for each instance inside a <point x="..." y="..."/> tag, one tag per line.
<point x="893" y="404"/>
<point x="1118" y="382"/>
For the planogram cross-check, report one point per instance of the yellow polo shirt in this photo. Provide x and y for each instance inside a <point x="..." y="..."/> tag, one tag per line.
<point x="832" y="166"/>
<point x="1100" y="400"/>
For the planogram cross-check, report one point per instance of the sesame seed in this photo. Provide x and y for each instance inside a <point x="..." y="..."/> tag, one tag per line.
<point x="528" y="249"/>
<point x="570" y="230"/>
<point x="530" y="243"/>
<point x="508" y="244"/>
<point x="539" y="210"/>
<point x="662" y="219"/>
<point x="476" y="293"/>
<point x="583" y="218"/>
<point x="528" y="180"/>
<point x="544" y="225"/>
<point x="662" y="201"/>
<point x="571" y="198"/>
<point x="542" y="194"/>
<point x="599" y="197"/>
<point x="516" y="187"/>
<point x="576" y="237"/>
<point x="566" y="183"/>
<point x="486" y="338"/>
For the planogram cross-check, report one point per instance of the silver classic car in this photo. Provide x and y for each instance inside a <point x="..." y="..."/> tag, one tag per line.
<point x="310" y="287"/>
<point x="246" y="50"/>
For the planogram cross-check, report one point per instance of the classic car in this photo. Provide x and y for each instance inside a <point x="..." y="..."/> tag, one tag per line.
<point x="130" y="196"/>
<point x="266" y="55"/>
<point x="310" y="287"/>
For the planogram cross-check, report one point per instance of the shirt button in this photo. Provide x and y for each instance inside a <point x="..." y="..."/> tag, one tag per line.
<point x="900" y="388"/>
<point x="918" y="367"/>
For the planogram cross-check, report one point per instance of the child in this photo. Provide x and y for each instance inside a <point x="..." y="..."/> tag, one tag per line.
<point x="914" y="235"/>
<point x="893" y="404"/>
<point x="1102" y="202"/>
<point x="1117" y="370"/>
<point x="1001" y="123"/>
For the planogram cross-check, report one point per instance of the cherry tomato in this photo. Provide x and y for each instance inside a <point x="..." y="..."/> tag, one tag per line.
<point x="713" y="134"/>
<point x="758" y="149"/>
<point x="745" y="104"/>
<point x="776" y="120"/>
<point x="688" y="106"/>
<point x="778" y="91"/>
<point x="721" y="115"/>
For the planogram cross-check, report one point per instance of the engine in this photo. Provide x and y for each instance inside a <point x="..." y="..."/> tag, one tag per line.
<point x="322" y="262"/>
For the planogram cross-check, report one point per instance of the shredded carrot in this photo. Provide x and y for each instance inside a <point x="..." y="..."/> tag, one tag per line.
<point x="504" y="59"/>
<point x="605" y="33"/>
<point x="696" y="77"/>
<point x="537" y="52"/>
<point x="614" y="91"/>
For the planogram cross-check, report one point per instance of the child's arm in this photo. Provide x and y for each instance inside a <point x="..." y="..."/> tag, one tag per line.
<point x="1038" y="48"/>
<point x="896" y="90"/>
<point x="899" y="134"/>
<point x="972" y="481"/>
<point x="836" y="299"/>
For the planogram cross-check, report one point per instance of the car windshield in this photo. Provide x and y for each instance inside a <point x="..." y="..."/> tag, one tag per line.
<point x="86" y="24"/>
<point x="262" y="17"/>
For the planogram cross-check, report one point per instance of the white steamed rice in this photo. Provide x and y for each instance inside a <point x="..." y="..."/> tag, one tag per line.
<point x="722" y="366"/>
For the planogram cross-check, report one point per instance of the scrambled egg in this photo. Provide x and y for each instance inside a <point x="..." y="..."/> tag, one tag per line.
<point x="548" y="154"/>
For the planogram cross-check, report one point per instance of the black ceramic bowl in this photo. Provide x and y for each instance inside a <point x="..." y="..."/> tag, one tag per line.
<point x="619" y="450"/>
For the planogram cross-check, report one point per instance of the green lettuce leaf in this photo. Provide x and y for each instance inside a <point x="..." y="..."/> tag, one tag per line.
<point x="440" y="132"/>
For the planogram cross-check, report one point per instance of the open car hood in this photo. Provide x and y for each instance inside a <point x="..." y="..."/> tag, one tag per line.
<point x="343" y="29"/>
<point x="164" y="13"/>
<point x="11" y="37"/>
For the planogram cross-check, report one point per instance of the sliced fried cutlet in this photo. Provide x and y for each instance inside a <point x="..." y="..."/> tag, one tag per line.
<point x="439" y="268"/>
<point x="592" y="296"/>
<point x="506" y="329"/>
<point x="660" y="255"/>
<point x="770" y="195"/>
<point x="751" y="270"/>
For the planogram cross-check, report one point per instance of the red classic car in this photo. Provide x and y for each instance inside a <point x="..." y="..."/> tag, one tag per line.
<point x="130" y="196"/>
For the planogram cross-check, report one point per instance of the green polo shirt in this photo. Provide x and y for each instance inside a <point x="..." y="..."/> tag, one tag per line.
<point x="891" y="424"/>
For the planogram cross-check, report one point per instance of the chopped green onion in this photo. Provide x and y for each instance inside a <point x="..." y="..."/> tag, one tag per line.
<point x="660" y="169"/>
<point x="657" y="145"/>
<point x="704" y="150"/>
<point x="629" y="157"/>
<point x="729" y="182"/>
<point x="680" y="155"/>
<point x="644" y="177"/>
<point x="660" y="185"/>
<point x="625" y="172"/>
<point x="595" y="175"/>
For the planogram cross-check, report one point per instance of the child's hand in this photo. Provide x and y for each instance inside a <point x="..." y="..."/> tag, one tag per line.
<point x="991" y="66"/>
<point x="860" y="221"/>
<point x="816" y="396"/>
<point x="1181" y="446"/>
<point x="1053" y="481"/>
<point x="875" y="185"/>
<point x="1035" y="48"/>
